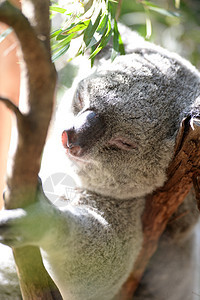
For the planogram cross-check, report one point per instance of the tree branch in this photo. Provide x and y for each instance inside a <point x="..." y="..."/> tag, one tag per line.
<point x="12" y="107"/>
<point x="164" y="201"/>
<point x="32" y="128"/>
<point x="36" y="55"/>
<point x="36" y="17"/>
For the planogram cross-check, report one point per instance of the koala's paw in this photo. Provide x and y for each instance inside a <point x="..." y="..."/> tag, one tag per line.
<point x="13" y="227"/>
<point x="28" y="226"/>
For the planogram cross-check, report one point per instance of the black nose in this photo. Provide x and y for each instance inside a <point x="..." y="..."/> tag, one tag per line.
<point x="88" y="128"/>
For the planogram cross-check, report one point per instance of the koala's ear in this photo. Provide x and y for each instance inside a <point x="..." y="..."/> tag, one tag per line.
<point x="184" y="127"/>
<point x="122" y="143"/>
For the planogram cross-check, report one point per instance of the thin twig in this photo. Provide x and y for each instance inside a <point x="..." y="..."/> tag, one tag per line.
<point x="11" y="106"/>
<point x="118" y="9"/>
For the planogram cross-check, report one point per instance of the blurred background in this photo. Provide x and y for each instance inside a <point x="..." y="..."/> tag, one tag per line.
<point x="180" y="33"/>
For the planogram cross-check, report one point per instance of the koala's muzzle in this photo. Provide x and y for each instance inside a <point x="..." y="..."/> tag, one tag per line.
<point x="88" y="128"/>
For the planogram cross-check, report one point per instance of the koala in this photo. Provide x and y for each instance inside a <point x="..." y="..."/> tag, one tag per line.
<point x="117" y="140"/>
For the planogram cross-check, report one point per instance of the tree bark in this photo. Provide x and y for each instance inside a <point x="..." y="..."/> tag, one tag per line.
<point x="33" y="35"/>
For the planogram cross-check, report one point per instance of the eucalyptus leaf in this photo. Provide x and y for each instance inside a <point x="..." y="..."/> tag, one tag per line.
<point x="96" y="25"/>
<point x="5" y="34"/>
<point x="165" y="12"/>
<point x="63" y="42"/>
<point x="118" y="47"/>
<point x="76" y="27"/>
<point x="105" y="39"/>
<point x="153" y="7"/>
<point x="121" y="46"/>
<point x="112" y="8"/>
<point x="57" y="9"/>
<point x="55" y="33"/>
<point x="60" y="52"/>
<point x="89" y="32"/>
<point x="99" y="32"/>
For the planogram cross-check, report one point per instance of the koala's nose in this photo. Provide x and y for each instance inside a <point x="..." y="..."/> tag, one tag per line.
<point x="69" y="141"/>
<point x="88" y="128"/>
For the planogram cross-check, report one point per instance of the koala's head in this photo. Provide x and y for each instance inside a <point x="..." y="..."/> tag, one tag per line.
<point x="126" y="117"/>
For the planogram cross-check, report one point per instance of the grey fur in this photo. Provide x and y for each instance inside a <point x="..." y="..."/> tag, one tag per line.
<point x="90" y="245"/>
<point x="139" y="98"/>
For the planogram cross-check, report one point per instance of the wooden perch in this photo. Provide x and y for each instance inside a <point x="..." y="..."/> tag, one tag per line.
<point x="182" y="171"/>
<point x="32" y="129"/>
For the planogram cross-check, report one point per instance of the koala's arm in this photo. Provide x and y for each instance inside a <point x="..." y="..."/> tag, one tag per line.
<point x="36" y="224"/>
<point x="42" y="224"/>
<point x="88" y="248"/>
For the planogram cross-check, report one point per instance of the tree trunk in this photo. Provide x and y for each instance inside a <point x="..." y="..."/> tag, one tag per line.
<point x="33" y="35"/>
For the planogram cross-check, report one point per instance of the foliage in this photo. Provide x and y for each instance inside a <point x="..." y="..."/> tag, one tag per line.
<point x="96" y="24"/>
<point x="174" y="24"/>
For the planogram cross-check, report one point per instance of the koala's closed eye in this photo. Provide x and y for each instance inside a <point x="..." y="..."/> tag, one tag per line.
<point x="122" y="143"/>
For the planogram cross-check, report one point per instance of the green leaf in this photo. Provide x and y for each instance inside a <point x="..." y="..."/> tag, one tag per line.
<point x="103" y="24"/>
<point x="121" y="46"/>
<point x="148" y="27"/>
<point x="97" y="25"/>
<point x="160" y="10"/>
<point x="115" y="49"/>
<point x="55" y="33"/>
<point x="92" y="26"/>
<point x="5" y="34"/>
<point x="57" y="9"/>
<point x="63" y="42"/>
<point x="118" y="46"/>
<point x="75" y="27"/>
<point x="60" y="52"/>
<point x="165" y="12"/>
<point x="93" y="48"/>
<point x="112" y="8"/>
<point x="99" y="32"/>
<point x="104" y="40"/>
